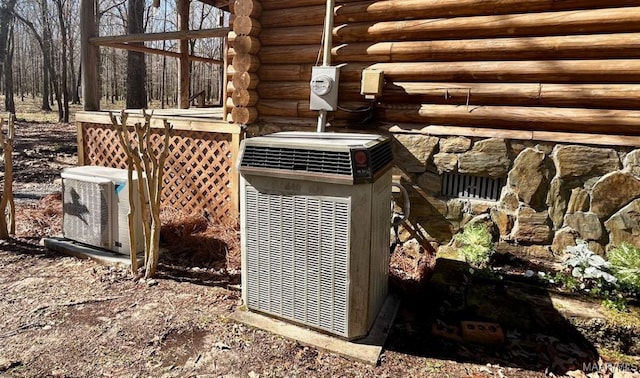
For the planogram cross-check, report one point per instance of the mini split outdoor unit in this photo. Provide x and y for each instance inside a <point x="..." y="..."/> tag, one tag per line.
<point x="315" y="224"/>
<point x="96" y="208"/>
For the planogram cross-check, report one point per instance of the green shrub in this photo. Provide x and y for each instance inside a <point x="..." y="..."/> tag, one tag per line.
<point x="625" y="265"/>
<point x="476" y="245"/>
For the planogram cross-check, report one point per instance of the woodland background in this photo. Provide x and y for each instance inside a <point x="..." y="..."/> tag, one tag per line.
<point x="40" y="53"/>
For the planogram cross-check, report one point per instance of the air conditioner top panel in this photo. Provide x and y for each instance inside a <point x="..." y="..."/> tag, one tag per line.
<point x="330" y="157"/>
<point x="109" y="173"/>
<point x="318" y="141"/>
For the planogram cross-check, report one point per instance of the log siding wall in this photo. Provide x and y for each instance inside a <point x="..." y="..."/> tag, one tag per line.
<point x="566" y="66"/>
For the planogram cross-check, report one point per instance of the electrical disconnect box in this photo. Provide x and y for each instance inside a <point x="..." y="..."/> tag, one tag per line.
<point x="372" y="82"/>
<point x="324" y="88"/>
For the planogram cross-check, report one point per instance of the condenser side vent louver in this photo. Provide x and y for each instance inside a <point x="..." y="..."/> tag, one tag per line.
<point x="381" y="155"/>
<point x="86" y="211"/>
<point x="297" y="159"/>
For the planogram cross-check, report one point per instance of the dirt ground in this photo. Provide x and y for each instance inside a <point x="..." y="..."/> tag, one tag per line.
<point x="66" y="317"/>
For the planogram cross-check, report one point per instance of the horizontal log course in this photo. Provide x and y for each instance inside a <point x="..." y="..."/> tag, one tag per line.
<point x="558" y="71"/>
<point x="300" y="16"/>
<point x="549" y="23"/>
<point x="293" y="36"/>
<point x="614" y="20"/>
<point x="251" y="8"/>
<point x="245" y="80"/>
<point x="244" y="97"/>
<point x="244" y="44"/>
<point x="243" y="115"/>
<point x="297" y="90"/>
<point x="523" y="118"/>
<point x="245" y="62"/>
<point x="599" y="46"/>
<point x="612" y="96"/>
<point x="419" y="9"/>
<point x="245" y="25"/>
<point x="536" y="71"/>
<point x="300" y="108"/>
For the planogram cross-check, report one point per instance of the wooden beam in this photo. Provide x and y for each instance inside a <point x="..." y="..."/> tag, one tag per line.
<point x="149" y="50"/>
<point x="89" y="56"/>
<point x="177" y="35"/>
<point x="184" y="78"/>
<point x="220" y="4"/>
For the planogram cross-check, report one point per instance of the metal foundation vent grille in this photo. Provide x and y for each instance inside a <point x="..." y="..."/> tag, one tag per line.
<point x="295" y="159"/>
<point x="458" y="185"/>
<point x="294" y="273"/>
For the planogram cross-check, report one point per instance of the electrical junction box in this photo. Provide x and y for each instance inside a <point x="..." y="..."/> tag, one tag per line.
<point x="324" y="88"/>
<point x="371" y="84"/>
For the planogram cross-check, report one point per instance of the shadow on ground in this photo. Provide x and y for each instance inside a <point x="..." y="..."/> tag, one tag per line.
<point x="476" y="318"/>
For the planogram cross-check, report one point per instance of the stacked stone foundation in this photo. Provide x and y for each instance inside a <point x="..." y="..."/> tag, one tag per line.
<point x="553" y="194"/>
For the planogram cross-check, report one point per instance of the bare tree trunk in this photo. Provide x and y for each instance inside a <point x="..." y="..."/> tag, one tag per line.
<point x="9" y="103"/>
<point x="136" y="66"/>
<point x="64" y="69"/>
<point x="6" y="51"/>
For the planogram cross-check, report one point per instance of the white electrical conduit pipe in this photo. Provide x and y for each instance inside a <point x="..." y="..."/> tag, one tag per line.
<point x="327" y="42"/>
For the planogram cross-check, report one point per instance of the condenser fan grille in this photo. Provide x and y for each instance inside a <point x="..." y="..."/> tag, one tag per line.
<point x="297" y="159"/>
<point x="291" y="272"/>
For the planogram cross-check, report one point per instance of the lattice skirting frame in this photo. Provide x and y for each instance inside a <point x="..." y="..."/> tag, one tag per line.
<point x="199" y="177"/>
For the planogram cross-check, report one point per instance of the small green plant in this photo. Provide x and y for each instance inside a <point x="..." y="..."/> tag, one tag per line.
<point x="616" y="304"/>
<point x="586" y="265"/>
<point x="566" y="281"/>
<point x="625" y="265"/>
<point x="476" y="245"/>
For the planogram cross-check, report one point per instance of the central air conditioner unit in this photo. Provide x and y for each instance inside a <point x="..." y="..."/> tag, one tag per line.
<point x="315" y="227"/>
<point x="96" y="208"/>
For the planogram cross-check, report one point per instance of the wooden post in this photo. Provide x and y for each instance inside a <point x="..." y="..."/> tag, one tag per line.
<point x="184" y="77"/>
<point x="89" y="56"/>
<point x="7" y="221"/>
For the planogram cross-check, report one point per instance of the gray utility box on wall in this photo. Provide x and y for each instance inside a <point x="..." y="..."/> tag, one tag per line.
<point x="315" y="223"/>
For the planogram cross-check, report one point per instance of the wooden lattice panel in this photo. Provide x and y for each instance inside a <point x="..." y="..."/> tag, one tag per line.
<point x="198" y="171"/>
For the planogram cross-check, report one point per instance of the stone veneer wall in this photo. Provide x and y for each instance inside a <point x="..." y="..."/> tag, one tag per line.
<point x="554" y="193"/>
